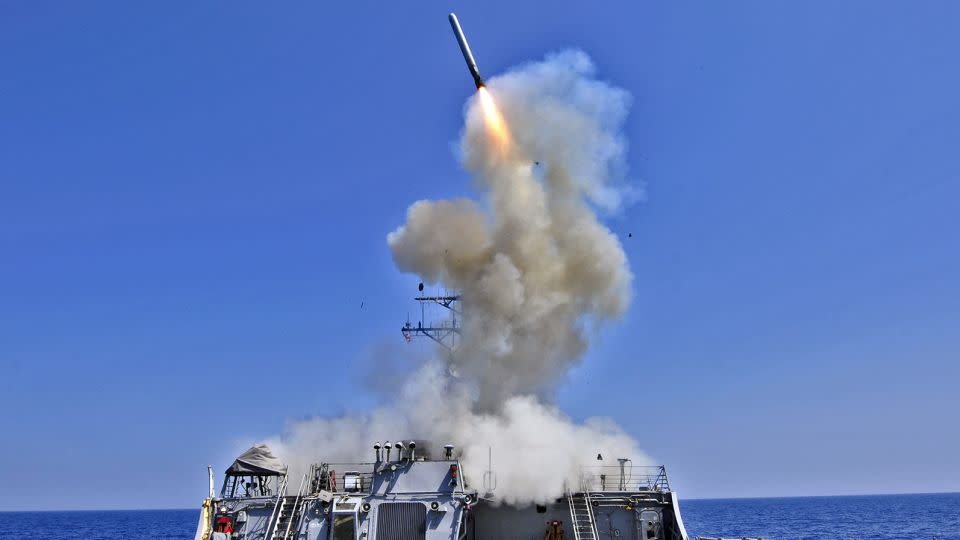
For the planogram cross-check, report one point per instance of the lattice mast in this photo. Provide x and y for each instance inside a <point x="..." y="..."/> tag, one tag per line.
<point x="446" y="333"/>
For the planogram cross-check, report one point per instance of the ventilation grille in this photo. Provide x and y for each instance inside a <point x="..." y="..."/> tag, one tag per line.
<point x="401" y="521"/>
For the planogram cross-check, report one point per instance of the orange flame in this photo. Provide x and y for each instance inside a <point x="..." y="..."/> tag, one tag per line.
<point x="493" y="118"/>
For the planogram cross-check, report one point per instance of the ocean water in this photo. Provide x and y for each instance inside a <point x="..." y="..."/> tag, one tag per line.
<point x="97" y="525"/>
<point x="866" y="517"/>
<point x="874" y="517"/>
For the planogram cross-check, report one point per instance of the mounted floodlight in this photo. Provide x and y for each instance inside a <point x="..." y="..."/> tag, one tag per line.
<point x="399" y="447"/>
<point x="352" y="482"/>
<point x="412" y="445"/>
<point x="376" y="448"/>
<point x="386" y="445"/>
<point x="448" y="450"/>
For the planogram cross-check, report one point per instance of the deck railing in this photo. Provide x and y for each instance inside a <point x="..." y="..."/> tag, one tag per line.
<point x="342" y="477"/>
<point x="633" y="478"/>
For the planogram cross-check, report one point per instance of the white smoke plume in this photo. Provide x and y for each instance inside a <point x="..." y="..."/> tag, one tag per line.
<point x="537" y="272"/>
<point x="536" y="449"/>
<point x="534" y="265"/>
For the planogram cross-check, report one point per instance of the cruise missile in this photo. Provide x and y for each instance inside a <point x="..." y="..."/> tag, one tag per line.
<point x="465" y="49"/>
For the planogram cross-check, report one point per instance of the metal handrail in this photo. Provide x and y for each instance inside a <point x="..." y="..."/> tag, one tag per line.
<point x="593" y="518"/>
<point x="605" y="478"/>
<point x="364" y="479"/>
<point x="573" y="514"/>
<point x="276" y="508"/>
<point x="296" y="502"/>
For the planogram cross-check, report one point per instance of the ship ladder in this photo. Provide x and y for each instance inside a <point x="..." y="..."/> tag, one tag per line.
<point x="277" y="509"/>
<point x="288" y="515"/>
<point x="581" y="516"/>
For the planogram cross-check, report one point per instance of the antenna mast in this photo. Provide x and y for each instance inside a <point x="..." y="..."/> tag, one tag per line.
<point x="446" y="333"/>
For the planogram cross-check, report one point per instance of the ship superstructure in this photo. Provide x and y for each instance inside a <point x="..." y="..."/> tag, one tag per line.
<point x="406" y="494"/>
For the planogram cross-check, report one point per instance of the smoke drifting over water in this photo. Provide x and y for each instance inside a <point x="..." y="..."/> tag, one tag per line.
<point x="538" y="273"/>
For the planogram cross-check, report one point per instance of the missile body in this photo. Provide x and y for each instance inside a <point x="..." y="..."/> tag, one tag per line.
<point x="465" y="49"/>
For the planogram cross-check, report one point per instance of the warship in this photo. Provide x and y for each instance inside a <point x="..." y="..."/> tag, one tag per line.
<point x="405" y="493"/>
<point x="418" y="490"/>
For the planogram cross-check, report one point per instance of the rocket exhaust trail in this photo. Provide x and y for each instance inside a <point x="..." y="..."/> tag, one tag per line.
<point x="465" y="49"/>
<point x="493" y="119"/>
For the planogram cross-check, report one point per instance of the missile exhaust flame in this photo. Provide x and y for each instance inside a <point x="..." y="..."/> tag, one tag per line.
<point x="493" y="119"/>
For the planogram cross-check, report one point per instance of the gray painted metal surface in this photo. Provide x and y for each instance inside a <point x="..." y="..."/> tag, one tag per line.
<point x="429" y="500"/>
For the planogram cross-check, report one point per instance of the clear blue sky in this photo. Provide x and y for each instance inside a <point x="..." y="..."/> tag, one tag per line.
<point x="189" y="191"/>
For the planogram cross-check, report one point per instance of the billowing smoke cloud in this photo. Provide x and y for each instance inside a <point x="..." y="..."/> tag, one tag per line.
<point x="534" y="265"/>
<point x="537" y="272"/>
<point x="536" y="449"/>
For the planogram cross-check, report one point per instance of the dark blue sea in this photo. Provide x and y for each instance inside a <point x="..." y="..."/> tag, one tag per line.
<point x="874" y="517"/>
<point x="866" y="517"/>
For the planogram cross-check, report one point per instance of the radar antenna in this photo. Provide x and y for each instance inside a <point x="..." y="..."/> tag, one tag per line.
<point x="446" y="333"/>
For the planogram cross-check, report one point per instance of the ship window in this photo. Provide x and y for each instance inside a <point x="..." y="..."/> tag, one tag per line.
<point x="344" y="527"/>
